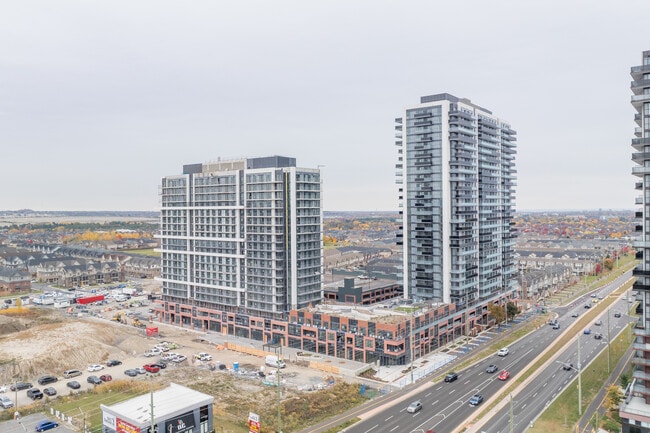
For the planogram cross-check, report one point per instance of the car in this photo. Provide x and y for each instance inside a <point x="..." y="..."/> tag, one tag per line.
<point x="595" y="301"/>
<point x="600" y="298"/>
<point x="72" y="373"/>
<point x="160" y="364"/>
<point x="95" y="367"/>
<point x="179" y="358"/>
<point x="587" y="331"/>
<point x="587" y="306"/>
<point x="598" y="322"/>
<point x="202" y="356"/>
<point x="414" y="407"/>
<point x="567" y="366"/>
<point x="113" y="362"/>
<point x="503" y="351"/>
<point x="140" y="370"/>
<point x="598" y="336"/>
<point x="6" y="402"/>
<point x="46" y="425"/>
<point x="44" y="380"/>
<point x="593" y="295"/>
<point x="73" y="384"/>
<point x="617" y="315"/>
<point x="476" y="400"/>
<point x="491" y="368"/>
<point x="556" y="326"/>
<point x="451" y="377"/>
<point x="151" y="368"/>
<point x="552" y="322"/>
<point x="131" y="372"/>
<point x="35" y="394"/>
<point x="49" y="391"/>
<point x="105" y="377"/>
<point x="94" y="380"/>
<point x="576" y="314"/>
<point x="19" y="386"/>
<point x="504" y="375"/>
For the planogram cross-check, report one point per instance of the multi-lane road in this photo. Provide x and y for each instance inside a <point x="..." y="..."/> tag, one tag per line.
<point x="445" y="406"/>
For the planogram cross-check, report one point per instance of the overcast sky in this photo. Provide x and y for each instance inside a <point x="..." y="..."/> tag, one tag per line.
<point x="100" y="100"/>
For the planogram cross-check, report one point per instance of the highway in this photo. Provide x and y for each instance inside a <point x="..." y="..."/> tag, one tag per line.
<point x="445" y="405"/>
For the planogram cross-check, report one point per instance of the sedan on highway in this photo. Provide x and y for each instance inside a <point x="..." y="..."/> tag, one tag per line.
<point x="476" y="400"/>
<point x="503" y="351"/>
<point x="451" y="377"/>
<point x="491" y="368"/>
<point x="414" y="407"/>
<point x="504" y="375"/>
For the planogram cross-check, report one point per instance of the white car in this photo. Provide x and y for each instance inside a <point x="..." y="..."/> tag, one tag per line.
<point x="3" y="388"/>
<point x="6" y="402"/>
<point x="503" y="351"/>
<point x="95" y="367"/>
<point x="202" y="356"/>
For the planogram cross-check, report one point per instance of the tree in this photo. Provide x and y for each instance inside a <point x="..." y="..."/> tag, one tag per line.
<point x="613" y="397"/>
<point x="497" y="312"/>
<point x="625" y="380"/>
<point x="609" y="263"/>
<point x="513" y="310"/>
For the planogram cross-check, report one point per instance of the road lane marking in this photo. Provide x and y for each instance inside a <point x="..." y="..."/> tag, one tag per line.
<point x="388" y="418"/>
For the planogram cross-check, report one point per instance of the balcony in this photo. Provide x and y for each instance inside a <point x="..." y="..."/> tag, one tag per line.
<point x="635" y="70"/>
<point x="641" y="375"/>
<point x="641" y="346"/>
<point x="640" y="171"/>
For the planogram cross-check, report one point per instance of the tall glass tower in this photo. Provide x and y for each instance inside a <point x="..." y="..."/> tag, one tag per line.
<point x="240" y="236"/>
<point x="635" y="409"/>
<point x="456" y="177"/>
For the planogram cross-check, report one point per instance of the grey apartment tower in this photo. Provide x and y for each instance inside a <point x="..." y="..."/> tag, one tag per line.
<point x="456" y="177"/>
<point x="242" y="236"/>
<point x="635" y="409"/>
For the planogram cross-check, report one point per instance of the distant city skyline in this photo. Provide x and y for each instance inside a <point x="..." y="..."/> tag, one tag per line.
<point x="100" y="101"/>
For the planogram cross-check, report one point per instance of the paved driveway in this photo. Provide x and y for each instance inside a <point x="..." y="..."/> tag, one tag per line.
<point x="27" y="424"/>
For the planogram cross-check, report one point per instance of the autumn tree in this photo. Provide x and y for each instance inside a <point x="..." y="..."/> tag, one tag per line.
<point x="497" y="312"/>
<point x="613" y="397"/>
<point x="609" y="263"/>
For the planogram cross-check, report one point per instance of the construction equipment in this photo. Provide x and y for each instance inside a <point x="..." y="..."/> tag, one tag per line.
<point x="137" y="323"/>
<point x="119" y="317"/>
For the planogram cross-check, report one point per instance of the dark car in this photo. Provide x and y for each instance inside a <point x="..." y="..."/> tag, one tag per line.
<point x="94" y="380"/>
<point x="113" y="362"/>
<point x="46" y="425"/>
<point x="49" y="391"/>
<point x="160" y="364"/>
<point x="598" y="336"/>
<point x="617" y="315"/>
<point x="131" y="372"/>
<point x="105" y="377"/>
<point x="451" y="377"/>
<point x="44" y="380"/>
<point x="587" y="306"/>
<point x="492" y="369"/>
<point x="567" y="366"/>
<point x="34" y="393"/>
<point x="19" y="386"/>
<point x="73" y="384"/>
<point x="576" y="314"/>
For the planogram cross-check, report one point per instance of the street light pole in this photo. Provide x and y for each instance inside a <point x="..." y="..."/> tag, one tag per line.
<point x="608" y="340"/>
<point x="579" y="380"/>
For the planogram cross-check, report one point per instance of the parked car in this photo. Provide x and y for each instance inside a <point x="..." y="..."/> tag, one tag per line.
<point x="71" y="373"/>
<point x="491" y="368"/>
<point x="3" y="388"/>
<point x="504" y="375"/>
<point x="6" y="402"/>
<point x="95" y="367"/>
<point x="46" y="425"/>
<point x="73" y="384"/>
<point x="44" y="380"/>
<point x="179" y="358"/>
<point x="451" y="377"/>
<point x="49" y="391"/>
<point x="105" y="377"/>
<point x="414" y="407"/>
<point x="35" y="394"/>
<point x="113" y="362"/>
<point x="151" y="368"/>
<point x="503" y="351"/>
<point x="160" y="364"/>
<point x="140" y="370"/>
<point x="202" y="356"/>
<point x="131" y="372"/>
<point x="19" y="386"/>
<point x="476" y="400"/>
<point x="94" y="380"/>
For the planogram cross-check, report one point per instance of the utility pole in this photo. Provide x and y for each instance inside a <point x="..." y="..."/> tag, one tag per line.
<point x="608" y="341"/>
<point x="579" y="380"/>
<point x="279" y="402"/>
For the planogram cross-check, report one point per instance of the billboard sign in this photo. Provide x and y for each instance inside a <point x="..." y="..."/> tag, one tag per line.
<point x="180" y="424"/>
<point x="253" y="423"/>
<point x="122" y="426"/>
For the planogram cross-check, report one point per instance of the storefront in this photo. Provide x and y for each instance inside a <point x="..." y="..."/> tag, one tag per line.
<point x="176" y="409"/>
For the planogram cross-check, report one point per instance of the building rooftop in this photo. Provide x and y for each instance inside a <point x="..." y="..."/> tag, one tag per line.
<point x="168" y="402"/>
<point x="392" y="311"/>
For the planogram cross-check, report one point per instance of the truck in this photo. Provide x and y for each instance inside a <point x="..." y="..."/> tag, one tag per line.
<point x="89" y="299"/>
<point x="274" y="361"/>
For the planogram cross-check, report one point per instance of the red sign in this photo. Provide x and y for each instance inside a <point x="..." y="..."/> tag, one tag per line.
<point x="122" y="426"/>
<point x="253" y="423"/>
